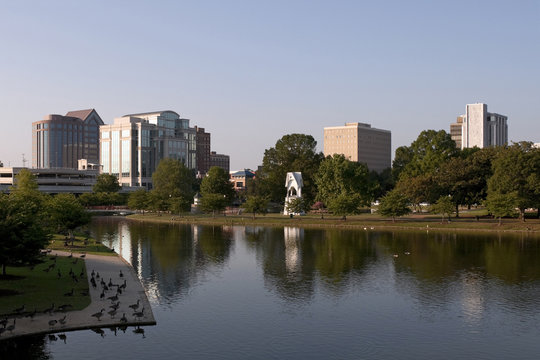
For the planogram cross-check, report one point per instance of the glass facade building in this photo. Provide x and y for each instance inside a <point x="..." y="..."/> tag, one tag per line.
<point x="59" y="141"/>
<point x="132" y="147"/>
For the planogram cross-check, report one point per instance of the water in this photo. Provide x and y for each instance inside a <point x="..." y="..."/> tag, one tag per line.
<point x="289" y="293"/>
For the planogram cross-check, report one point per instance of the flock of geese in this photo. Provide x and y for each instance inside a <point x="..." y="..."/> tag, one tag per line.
<point x="106" y="289"/>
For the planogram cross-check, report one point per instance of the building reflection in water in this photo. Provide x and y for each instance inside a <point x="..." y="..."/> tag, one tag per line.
<point x="292" y="236"/>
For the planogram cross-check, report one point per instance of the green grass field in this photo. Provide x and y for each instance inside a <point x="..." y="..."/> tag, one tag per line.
<point x="36" y="288"/>
<point x="80" y="244"/>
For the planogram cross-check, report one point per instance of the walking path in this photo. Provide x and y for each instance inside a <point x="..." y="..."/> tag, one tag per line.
<point x="109" y="268"/>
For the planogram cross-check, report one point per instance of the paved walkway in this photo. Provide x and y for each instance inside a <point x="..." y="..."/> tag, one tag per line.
<point x="108" y="267"/>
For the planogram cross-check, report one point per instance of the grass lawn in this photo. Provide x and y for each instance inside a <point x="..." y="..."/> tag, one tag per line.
<point x="39" y="289"/>
<point x="80" y="245"/>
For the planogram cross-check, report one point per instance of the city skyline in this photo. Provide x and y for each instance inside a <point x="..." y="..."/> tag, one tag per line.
<point x="251" y="73"/>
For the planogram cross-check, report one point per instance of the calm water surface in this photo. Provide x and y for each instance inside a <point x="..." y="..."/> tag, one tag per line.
<point x="289" y="293"/>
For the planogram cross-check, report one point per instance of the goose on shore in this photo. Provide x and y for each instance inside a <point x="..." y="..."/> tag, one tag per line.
<point x="98" y="315"/>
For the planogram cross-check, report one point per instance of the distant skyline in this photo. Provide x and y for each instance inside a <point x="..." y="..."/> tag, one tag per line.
<point x="250" y="72"/>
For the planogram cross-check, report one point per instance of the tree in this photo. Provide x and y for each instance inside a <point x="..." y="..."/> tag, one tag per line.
<point x="106" y="183"/>
<point x="217" y="181"/>
<point x="23" y="227"/>
<point x="213" y="203"/>
<point x="515" y="170"/>
<point x="297" y="206"/>
<point x="394" y="204"/>
<point x="444" y="205"/>
<point x="419" y="189"/>
<point x="256" y="205"/>
<point x="294" y="152"/>
<point x="426" y="153"/>
<point x="67" y="213"/>
<point x="500" y="204"/>
<point x="337" y="175"/>
<point x="138" y="200"/>
<point x="172" y="180"/>
<point x="345" y="204"/>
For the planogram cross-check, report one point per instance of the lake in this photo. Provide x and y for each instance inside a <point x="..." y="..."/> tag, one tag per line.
<point x="291" y="293"/>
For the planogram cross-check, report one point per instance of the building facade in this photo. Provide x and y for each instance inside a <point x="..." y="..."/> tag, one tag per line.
<point x="240" y="178"/>
<point x="221" y="160"/>
<point x="456" y="130"/>
<point x="53" y="181"/>
<point x="133" y="145"/>
<point x="481" y="128"/>
<point x="59" y="141"/>
<point x="361" y="143"/>
<point x="203" y="150"/>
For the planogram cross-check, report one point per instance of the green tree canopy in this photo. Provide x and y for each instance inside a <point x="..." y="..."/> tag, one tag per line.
<point x="23" y="223"/>
<point x="515" y="170"/>
<point x="67" y="213"/>
<point x="337" y="176"/>
<point x="217" y="181"/>
<point x="106" y="183"/>
<point x="213" y="202"/>
<point x="394" y="204"/>
<point x="172" y="180"/>
<point x="138" y="200"/>
<point x="444" y="206"/>
<point x="501" y="204"/>
<point x="426" y="153"/>
<point x="345" y="204"/>
<point x="294" y="152"/>
<point x="256" y="205"/>
<point x="297" y="205"/>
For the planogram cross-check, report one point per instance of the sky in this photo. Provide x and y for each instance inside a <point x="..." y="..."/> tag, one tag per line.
<point x="250" y="72"/>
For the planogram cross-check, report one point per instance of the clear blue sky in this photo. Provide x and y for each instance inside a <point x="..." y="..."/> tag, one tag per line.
<point x="252" y="71"/>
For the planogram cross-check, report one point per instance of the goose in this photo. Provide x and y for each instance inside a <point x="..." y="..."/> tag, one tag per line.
<point x="93" y="273"/>
<point x="110" y="282"/>
<point x="115" y="306"/>
<point x="139" y="314"/>
<point x="135" y="306"/>
<point x="102" y="295"/>
<point x="121" y="274"/>
<point x="98" y="315"/>
<point x="52" y="323"/>
<point x="113" y="298"/>
<point x="63" y="320"/>
<point x="112" y="313"/>
<point x="62" y="337"/>
<point x="64" y="307"/>
<point x="70" y="255"/>
<point x="123" y="286"/>
<point x="83" y="255"/>
<point x="123" y="318"/>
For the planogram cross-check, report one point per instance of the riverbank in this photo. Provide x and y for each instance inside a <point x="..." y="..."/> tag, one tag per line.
<point x="111" y="269"/>
<point x="466" y="222"/>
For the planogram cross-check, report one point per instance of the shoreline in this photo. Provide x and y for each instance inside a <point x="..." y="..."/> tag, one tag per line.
<point x="530" y="227"/>
<point x="109" y="267"/>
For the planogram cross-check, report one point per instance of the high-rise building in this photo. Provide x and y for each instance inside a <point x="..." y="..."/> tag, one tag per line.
<point x="456" y="131"/>
<point x="133" y="145"/>
<point x="481" y="128"/>
<point x="360" y="142"/>
<point x="221" y="160"/>
<point x="59" y="141"/>
<point x="203" y="150"/>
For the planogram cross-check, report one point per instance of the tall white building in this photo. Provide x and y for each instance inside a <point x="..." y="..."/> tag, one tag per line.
<point x="481" y="128"/>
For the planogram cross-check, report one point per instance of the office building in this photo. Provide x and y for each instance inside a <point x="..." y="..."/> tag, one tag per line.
<point x="456" y="131"/>
<point x="59" y="141"/>
<point x="221" y="160"/>
<point x="203" y="150"/>
<point x="360" y="142"/>
<point x="133" y="145"/>
<point x="481" y="128"/>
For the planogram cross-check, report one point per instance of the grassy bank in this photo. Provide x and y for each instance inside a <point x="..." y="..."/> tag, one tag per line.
<point x="80" y="244"/>
<point x="467" y="221"/>
<point x="44" y="284"/>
